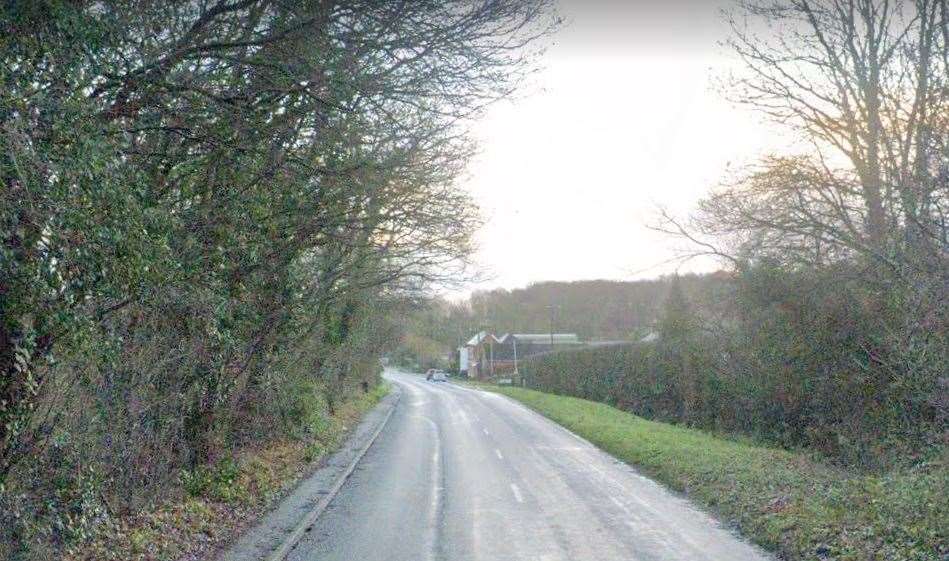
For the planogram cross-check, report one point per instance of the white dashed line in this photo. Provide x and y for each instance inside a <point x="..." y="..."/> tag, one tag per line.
<point x="517" y="493"/>
<point x="498" y="454"/>
<point x="486" y="432"/>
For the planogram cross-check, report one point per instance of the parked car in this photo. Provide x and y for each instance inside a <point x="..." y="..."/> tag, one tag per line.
<point x="435" y="375"/>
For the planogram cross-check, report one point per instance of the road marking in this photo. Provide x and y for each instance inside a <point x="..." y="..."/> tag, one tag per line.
<point x="437" y="490"/>
<point x="517" y="493"/>
<point x="486" y="432"/>
<point x="498" y="454"/>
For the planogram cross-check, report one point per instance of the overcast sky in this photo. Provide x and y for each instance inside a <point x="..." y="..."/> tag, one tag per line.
<point x="626" y="116"/>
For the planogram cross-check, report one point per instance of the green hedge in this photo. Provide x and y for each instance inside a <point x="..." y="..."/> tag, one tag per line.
<point x="797" y="360"/>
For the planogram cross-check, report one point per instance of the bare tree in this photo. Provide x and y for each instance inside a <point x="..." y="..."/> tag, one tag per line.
<point x="861" y="79"/>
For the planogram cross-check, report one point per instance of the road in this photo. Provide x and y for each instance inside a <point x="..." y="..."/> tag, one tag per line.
<point x="460" y="474"/>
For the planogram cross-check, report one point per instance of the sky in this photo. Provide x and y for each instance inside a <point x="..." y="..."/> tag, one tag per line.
<point x="626" y="116"/>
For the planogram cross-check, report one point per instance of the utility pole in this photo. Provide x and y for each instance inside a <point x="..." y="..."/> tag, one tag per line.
<point x="491" y="350"/>
<point x="550" y="310"/>
<point x="515" y="353"/>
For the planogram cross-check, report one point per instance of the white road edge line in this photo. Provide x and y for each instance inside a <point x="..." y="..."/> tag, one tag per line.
<point x="517" y="493"/>
<point x="294" y="537"/>
<point x="437" y="489"/>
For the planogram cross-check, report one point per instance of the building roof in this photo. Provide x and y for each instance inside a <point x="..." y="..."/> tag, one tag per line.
<point x="650" y="337"/>
<point x="480" y="336"/>
<point x="611" y="343"/>
<point x="547" y="338"/>
<point x="534" y="338"/>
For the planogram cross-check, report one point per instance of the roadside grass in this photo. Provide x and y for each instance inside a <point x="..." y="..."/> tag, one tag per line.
<point x="216" y="502"/>
<point x="786" y="502"/>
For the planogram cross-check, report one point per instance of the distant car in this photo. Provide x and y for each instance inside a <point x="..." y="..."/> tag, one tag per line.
<point x="435" y="375"/>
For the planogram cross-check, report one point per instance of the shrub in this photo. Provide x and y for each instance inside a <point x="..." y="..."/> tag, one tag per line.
<point x="803" y="360"/>
<point x="218" y="481"/>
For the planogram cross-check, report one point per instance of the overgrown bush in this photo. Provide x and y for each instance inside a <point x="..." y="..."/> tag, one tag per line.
<point x="803" y="359"/>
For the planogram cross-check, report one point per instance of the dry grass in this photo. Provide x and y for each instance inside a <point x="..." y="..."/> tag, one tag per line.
<point x="188" y="528"/>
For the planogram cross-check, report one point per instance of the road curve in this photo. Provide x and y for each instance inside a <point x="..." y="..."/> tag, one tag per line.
<point x="463" y="475"/>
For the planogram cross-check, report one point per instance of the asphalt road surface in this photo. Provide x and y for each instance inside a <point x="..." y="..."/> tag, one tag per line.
<point x="460" y="474"/>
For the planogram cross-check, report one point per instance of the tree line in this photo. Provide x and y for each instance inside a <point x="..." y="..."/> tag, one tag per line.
<point x="595" y="310"/>
<point x="209" y="211"/>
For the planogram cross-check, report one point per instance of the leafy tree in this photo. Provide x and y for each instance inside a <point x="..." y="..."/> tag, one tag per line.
<point x="205" y="203"/>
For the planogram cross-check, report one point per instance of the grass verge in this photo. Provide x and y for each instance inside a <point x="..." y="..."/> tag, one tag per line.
<point x="784" y="501"/>
<point x="218" y="501"/>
